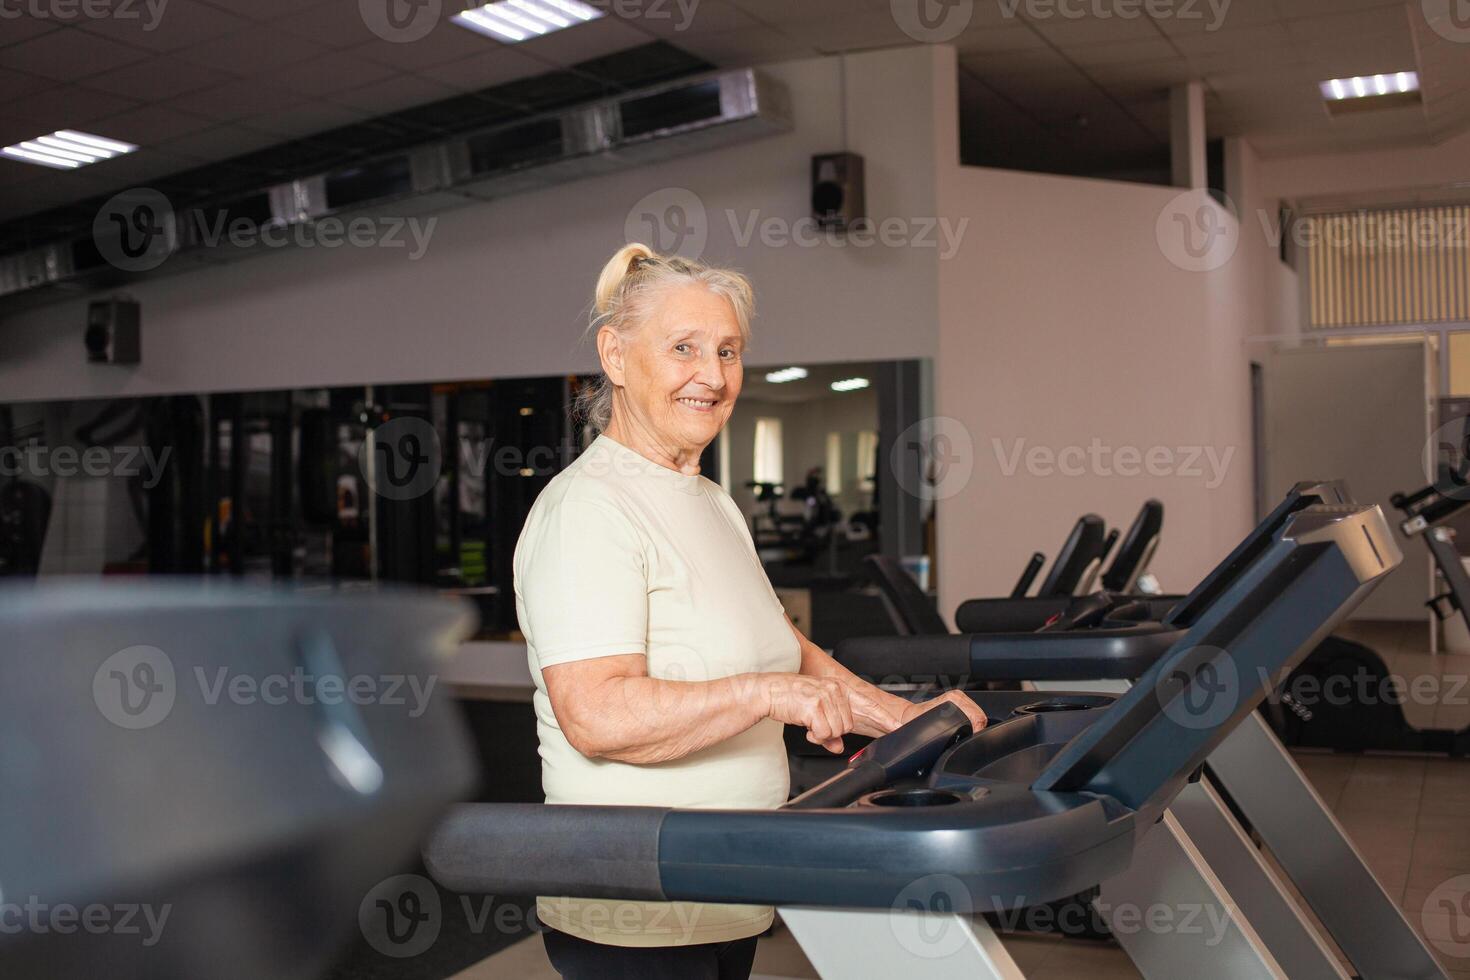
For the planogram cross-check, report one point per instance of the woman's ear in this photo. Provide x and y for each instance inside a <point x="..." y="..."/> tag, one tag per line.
<point x="611" y="353"/>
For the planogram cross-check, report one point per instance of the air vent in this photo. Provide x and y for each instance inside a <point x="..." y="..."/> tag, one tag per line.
<point x="654" y="124"/>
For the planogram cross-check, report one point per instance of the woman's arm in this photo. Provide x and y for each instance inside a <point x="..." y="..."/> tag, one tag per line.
<point x="875" y="712"/>
<point x="609" y="708"/>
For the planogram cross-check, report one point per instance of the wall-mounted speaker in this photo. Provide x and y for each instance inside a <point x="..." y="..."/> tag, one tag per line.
<point x="837" y="189"/>
<point x="114" y="331"/>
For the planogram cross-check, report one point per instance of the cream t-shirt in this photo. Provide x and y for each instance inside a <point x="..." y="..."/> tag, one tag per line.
<point x="621" y="555"/>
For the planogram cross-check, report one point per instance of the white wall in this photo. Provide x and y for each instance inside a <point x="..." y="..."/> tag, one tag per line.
<point x="503" y="287"/>
<point x="1062" y="322"/>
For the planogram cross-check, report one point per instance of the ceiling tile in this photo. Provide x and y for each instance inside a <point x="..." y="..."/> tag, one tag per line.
<point x="25" y="27"/>
<point x="335" y="25"/>
<point x="179" y="25"/>
<point x="273" y="11"/>
<point x="236" y="100"/>
<point x="152" y="124"/>
<point x="1309" y="8"/>
<point x="1376" y="22"/>
<point x="592" y="40"/>
<point x="1123" y="53"/>
<point x="1067" y="31"/>
<point x="217" y="143"/>
<point x="671" y="21"/>
<point x="393" y="94"/>
<point x="777" y="12"/>
<point x="445" y="43"/>
<point x="851" y="33"/>
<point x="68" y="55"/>
<point x="751" y="46"/>
<point x="158" y="77"/>
<point x="256" y="51"/>
<point x="1009" y="37"/>
<point x="330" y="72"/>
<point x="1210" y="16"/>
<point x="17" y="85"/>
<point x="1232" y="41"/>
<point x="305" y="119"/>
<point x="485" y="69"/>
<point x="67" y="107"/>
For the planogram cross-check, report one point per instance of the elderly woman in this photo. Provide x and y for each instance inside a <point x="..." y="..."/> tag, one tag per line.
<point x="665" y="666"/>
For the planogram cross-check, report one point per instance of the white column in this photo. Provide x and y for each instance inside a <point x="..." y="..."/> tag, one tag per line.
<point x="1187" y="135"/>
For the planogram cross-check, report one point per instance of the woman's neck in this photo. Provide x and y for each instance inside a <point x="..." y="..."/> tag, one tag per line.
<point x="681" y="459"/>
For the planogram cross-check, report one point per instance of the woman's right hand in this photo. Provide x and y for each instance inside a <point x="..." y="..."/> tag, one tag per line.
<point x="818" y="704"/>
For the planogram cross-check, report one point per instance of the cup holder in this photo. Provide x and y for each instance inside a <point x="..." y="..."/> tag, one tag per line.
<point x="1080" y="702"/>
<point x="912" y="797"/>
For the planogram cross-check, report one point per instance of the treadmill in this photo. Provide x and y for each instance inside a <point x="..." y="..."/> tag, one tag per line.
<point x="1250" y="774"/>
<point x="877" y="871"/>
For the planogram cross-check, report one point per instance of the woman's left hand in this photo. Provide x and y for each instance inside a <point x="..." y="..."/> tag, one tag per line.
<point x="956" y="698"/>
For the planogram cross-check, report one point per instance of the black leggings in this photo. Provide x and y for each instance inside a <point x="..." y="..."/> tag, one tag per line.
<point x="578" y="959"/>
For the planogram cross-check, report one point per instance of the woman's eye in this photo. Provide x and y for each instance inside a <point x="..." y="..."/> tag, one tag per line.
<point x="682" y="348"/>
<point x="728" y="354"/>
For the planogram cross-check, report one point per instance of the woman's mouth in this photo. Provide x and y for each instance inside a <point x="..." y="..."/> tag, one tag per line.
<point x="697" y="404"/>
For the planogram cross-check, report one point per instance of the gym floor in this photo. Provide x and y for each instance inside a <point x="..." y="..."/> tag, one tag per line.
<point x="1405" y="813"/>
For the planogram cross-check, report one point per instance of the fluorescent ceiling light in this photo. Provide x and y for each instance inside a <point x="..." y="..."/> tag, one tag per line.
<point x="785" y="374"/>
<point x="520" y="20"/>
<point x="1370" y="86"/>
<point x="66" y="149"/>
<point x="849" y="384"/>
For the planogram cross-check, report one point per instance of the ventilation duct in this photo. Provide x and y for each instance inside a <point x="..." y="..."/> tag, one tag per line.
<point x="650" y="125"/>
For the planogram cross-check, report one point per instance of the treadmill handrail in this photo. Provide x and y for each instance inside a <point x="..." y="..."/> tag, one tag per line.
<point x="1096" y="654"/>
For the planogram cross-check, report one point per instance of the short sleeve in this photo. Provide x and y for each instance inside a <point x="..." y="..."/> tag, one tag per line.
<point x="583" y="585"/>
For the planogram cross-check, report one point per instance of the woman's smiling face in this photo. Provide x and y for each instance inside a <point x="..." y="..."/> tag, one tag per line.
<point x="680" y="371"/>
